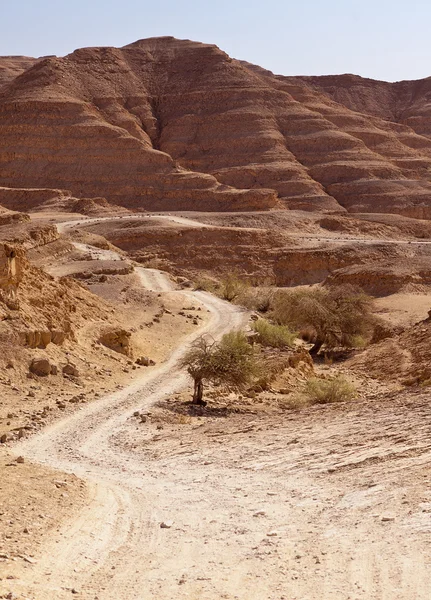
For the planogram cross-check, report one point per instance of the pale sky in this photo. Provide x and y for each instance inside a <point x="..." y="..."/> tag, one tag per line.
<point x="381" y="39"/>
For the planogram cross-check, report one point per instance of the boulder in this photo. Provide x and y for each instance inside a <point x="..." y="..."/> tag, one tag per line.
<point x="40" y="367"/>
<point x="144" y="361"/>
<point x="70" y="370"/>
<point x="117" y="340"/>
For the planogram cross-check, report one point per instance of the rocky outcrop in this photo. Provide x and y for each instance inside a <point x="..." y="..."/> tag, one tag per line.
<point x="312" y="265"/>
<point x="404" y="102"/>
<point x="10" y="217"/>
<point x="12" y="263"/>
<point x="405" y="357"/>
<point x="117" y="340"/>
<point x="41" y="339"/>
<point x="167" y="124"/>
<point x="386" y="279"/>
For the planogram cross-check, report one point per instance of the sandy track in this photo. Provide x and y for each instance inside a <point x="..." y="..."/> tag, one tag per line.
<point x="154" y="280"/>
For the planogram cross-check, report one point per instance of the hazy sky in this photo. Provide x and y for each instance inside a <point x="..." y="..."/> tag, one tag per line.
<point x="382" y="39"/>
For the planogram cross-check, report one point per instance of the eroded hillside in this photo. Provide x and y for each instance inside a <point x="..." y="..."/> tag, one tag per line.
<point x="181" y="125"/>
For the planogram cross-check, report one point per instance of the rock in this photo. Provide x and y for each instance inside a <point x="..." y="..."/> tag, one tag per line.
<point x="4" y="438"/>
<point x="40" y="367"/>
<point x="387" y="518"/>
<point x="166" y="524"/>
<point x="54" y="370"/>
<point x="314" y="160"/>
<point x="20" y="460"/>
<point x="70" y="370"/>
<point x="272" y="534"/>
<point x="117" y="340"/>
<point x="144" y="361"/>
<point x="259" y="513"/>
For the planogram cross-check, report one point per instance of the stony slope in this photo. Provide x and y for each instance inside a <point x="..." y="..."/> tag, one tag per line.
<point x="166" y="123"/>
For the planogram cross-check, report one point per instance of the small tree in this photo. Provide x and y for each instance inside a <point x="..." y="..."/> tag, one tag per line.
<point x="338" y="316"/>
<point x="198" y="362"/>
<point x="231" y="361"/>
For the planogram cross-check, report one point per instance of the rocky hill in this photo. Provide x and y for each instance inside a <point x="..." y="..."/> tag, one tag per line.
<point x="168" y="124"/>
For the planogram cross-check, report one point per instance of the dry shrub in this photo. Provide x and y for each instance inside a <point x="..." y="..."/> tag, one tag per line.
<point x="205" y="284"/>
<point x="327" y="391"/>
<point x="232" y="287"/>
<point x="161" y="264"/>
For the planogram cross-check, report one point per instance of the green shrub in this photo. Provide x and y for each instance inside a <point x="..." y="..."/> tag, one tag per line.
<point x="231" y="362"/>
<point x="326" y="391"/>
<point x="274" y="336"/>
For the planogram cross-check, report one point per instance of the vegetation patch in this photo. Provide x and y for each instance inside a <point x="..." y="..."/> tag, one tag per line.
<point x="273" y="336"/>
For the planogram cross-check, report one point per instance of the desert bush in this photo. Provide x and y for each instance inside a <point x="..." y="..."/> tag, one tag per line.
<point x="339" y="316"/>
<point x="161" y="264"/>
<point x="274" y="336"/>
<point x="232" y="286"/>
<point x="326" y="391"/>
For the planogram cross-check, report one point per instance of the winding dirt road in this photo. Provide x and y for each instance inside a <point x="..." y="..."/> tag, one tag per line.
<point x="114" y="530"/>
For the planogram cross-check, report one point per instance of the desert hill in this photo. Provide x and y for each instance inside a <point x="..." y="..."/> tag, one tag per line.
<point x="174" y="124"/>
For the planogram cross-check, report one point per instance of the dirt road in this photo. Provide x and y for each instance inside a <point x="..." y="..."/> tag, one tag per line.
<point x="115" y="523"/>
<point x="315" y="238"/>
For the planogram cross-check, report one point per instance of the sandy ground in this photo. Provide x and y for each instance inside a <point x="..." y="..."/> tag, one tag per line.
<point x="34" y="502"/>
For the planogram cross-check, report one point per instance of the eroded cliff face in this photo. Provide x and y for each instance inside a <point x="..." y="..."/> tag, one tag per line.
<point x="11" y="273"/>
<point x="168" y="124"/>
<point x="36" y="309"/>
